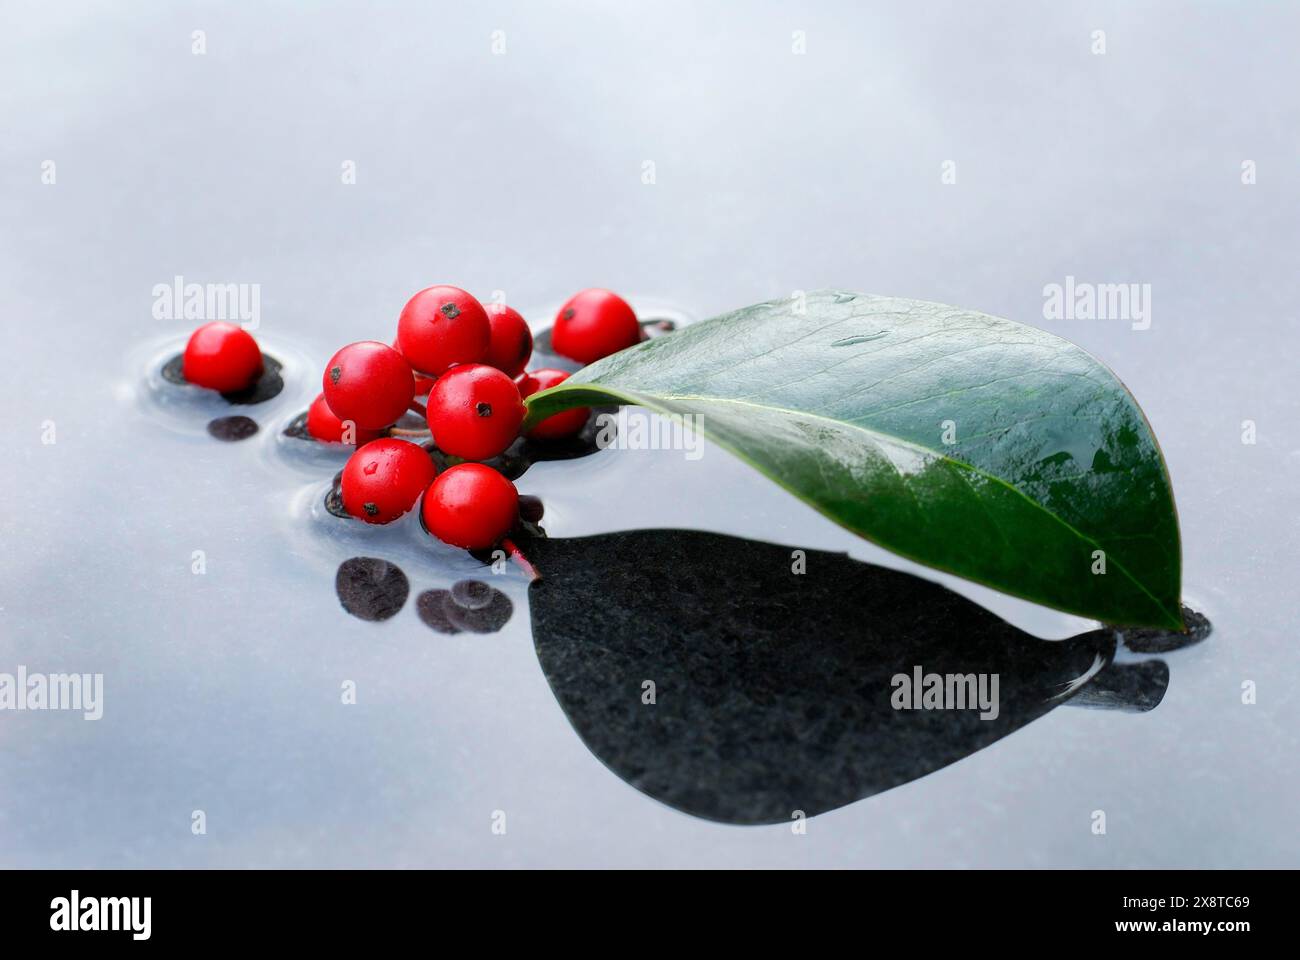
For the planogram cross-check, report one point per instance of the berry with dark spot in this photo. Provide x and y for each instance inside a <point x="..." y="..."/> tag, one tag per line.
<point x="594" y="324"/>
<point x="440" y="326"/>
<point x="222" y="356"/>
<point x="470" y="506"/>
<point x="560" y="425"/>
<point x="383" y="479"/>
<point x="474" y="411"/>
<point x="369" y="383"/>
<point x="512" y="342"/>
<point x="324" y="426"/>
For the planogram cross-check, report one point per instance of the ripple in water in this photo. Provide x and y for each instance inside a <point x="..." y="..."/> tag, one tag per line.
<point x="163" y="396"/>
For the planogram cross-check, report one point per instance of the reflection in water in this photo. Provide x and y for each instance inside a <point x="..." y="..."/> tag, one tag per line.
<point x="708" y="674"/>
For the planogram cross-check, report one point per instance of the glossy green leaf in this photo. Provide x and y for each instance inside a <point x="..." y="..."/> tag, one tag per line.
<point x="962" y="441"/>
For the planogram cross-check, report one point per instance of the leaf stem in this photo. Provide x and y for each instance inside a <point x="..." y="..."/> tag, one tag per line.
<point x="518" y="557"/>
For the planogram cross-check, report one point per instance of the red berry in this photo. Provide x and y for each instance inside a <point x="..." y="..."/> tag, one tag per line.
<point x="222" y="356"/>
<point x="440" y="326"/>
<point x="512" y="342"/>
<point x="323" y="425"/>
<point x="368" y="383"/>
<point x="560" y="425"/>
<point x="383" y="479"/>
<point x="423" y="385"/>
<point x="470" y="506"/>
<point x="594" y="324"/>
<point x="475" y="411"/>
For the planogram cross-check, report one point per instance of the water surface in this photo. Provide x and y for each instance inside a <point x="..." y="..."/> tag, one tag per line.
<point x="524" y="173"/>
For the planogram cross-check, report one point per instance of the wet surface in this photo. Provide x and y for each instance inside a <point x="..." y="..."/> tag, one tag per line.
<point x="200" y="577"/>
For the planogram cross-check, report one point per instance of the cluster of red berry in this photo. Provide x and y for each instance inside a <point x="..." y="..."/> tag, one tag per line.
<point x="471" y="362"/>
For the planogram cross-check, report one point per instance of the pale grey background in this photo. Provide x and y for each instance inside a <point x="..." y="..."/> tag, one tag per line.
<point x="522" y="172"/>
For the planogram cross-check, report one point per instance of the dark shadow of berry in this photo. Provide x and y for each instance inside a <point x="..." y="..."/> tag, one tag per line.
<point x="371" y="589"/>
<point x="429" y="606"/>
<point x="488" y="619"/>
<point x="334" y="498"/>
<point x="231" y="429"/>
<point x="650" y="329"/>
<point x="297" y="428"/>
<point x="267" y="386"/>
<point x="523" y="453"/>
<point x="470" y="606"/>
<point x="472" y="594"/>
<point x="531" y="509"/>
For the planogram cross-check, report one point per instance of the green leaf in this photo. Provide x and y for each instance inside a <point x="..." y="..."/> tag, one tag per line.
<point x="848" y="404"/>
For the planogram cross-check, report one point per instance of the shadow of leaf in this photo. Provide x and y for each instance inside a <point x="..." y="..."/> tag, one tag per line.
<point x="707" y="674"/>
